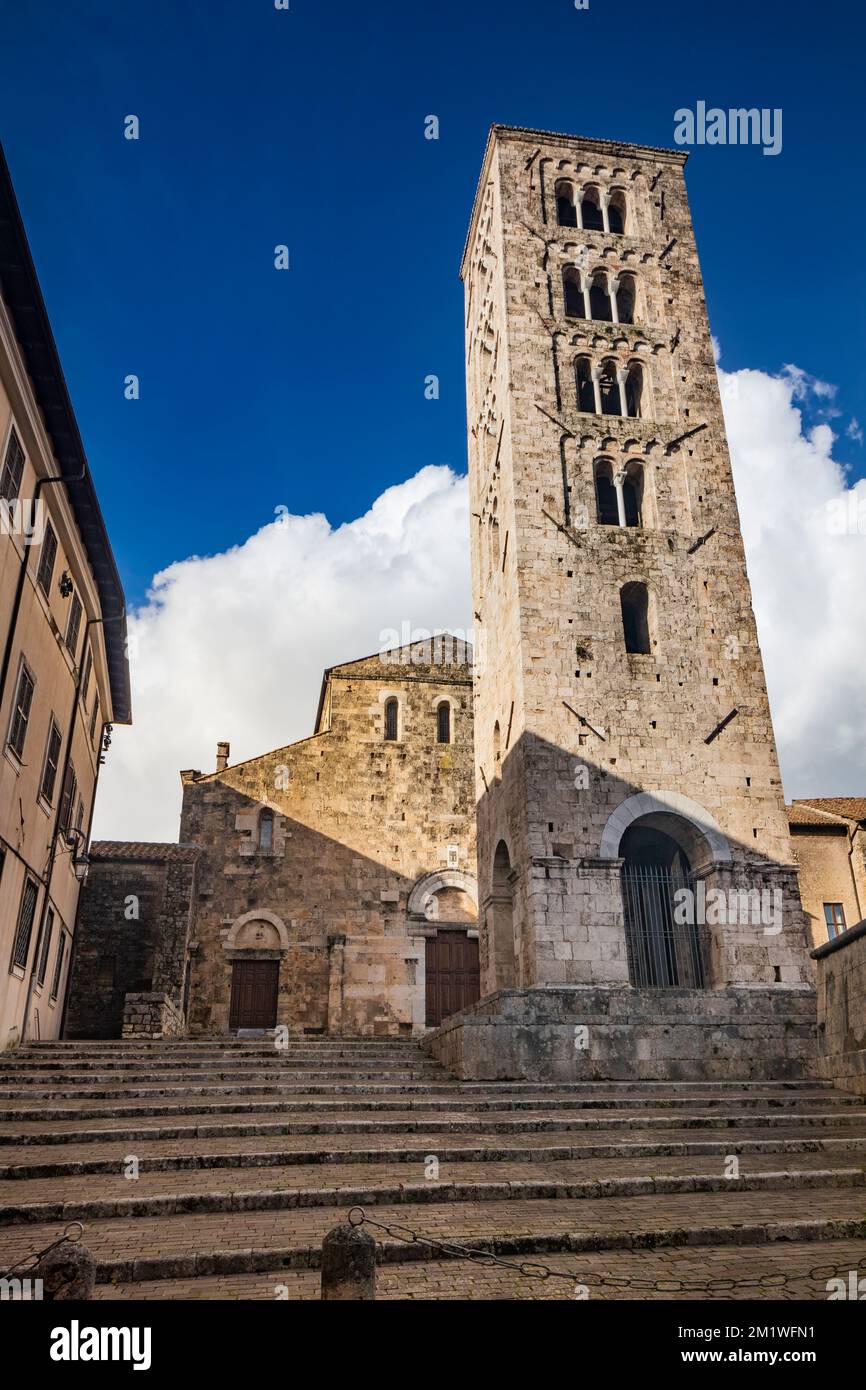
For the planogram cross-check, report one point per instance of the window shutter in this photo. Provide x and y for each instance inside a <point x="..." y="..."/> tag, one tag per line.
<point x="13" y="469"/>
<point x="46" y="560"/>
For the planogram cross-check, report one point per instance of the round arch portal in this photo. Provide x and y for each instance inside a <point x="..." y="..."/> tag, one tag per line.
<point x="687" y="822"/>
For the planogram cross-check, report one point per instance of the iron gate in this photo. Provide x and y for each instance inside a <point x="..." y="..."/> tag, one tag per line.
<point x="662" y="952"/>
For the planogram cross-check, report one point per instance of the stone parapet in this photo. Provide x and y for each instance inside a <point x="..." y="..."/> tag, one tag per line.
<point x="595" y="1033"/>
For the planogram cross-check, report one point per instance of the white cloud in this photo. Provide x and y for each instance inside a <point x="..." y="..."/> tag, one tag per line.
<point x="804" y="528"/>
<point x="233" y="645"/>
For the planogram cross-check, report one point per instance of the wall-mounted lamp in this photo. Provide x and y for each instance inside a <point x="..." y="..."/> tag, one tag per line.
<point x="76" y="841"/>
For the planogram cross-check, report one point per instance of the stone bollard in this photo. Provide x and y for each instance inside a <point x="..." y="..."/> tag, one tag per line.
<point x="68" y="1273"/>
<point x="348" y="1264"/>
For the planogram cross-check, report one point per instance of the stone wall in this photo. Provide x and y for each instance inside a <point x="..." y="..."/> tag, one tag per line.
<point x="570" y="726"/>
<point x="151" y="1015"/>
<point x="589" y="1034"/>
<point x="132" y="932"/>
<point x="841" y="965"/>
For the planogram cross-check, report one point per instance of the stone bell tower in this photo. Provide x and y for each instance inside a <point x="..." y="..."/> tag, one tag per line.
<point x="624" y="749"/>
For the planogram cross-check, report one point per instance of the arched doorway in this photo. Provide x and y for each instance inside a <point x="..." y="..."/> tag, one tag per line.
<point x="447" y="901"/>
<point x="665" y="942"/>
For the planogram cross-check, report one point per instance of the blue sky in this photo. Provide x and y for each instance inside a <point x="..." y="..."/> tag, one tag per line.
<point x="305" y="388"/>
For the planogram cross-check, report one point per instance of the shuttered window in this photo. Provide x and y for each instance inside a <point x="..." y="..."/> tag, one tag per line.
<point x="58" y="968"/>
<point x="13" y="469"/>
<point x="74" y="625"/>
<point x="46" y="948"/>
<point x="67" y="800"/>
<point x="52" y="760"/>
<point x="27" y="912"/>
<point x="46" y="560"/>
<point x="21" y="710"/>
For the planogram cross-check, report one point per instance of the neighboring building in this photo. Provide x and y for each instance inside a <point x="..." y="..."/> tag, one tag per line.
<point x="63" y="672"/>
<point x="829" y="838"/>
<point x="328" y="886"/>
<point x="624" y="748"/>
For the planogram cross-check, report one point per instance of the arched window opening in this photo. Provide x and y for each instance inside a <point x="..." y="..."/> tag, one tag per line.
<point x="609" y="389"/>
<point x="616" y="212"/>
<point x="583" y="380"/>
<point x="634" y="391"/>
<point x="500" y="922"/>
<point x="391" y="721"/>
<point x="599" y="300"/>
<point x="634" y="601"/>
<point x="443" y="723"/>
<point x="266" y="830"/>
<point x="590" y="211"/>
<point x="566" y="212"/>
<point x="632" y="495"/>
<point x="605" y="496"/>
<point x="625" y="299"/>
<point x="573" y="293"/>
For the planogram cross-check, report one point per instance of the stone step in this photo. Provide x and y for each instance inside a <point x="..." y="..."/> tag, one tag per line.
<point x="792" y="1270"/>
<point x="154" y="1194"/>
<point x="262" y="1123"/>
<point x="24" y="1163"/>
<point x="190" y="1102"/>
<point x="324" y="1070"/>
<point x="287" y="1084"/>
<point x="237" y="1242"/>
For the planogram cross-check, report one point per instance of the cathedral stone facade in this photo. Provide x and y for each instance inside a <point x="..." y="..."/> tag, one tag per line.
<point x="328" y="886"/>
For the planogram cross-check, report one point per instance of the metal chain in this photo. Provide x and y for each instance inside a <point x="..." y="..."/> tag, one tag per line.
<point x="537" y="1270"/>
<point x="37" y="1255"/>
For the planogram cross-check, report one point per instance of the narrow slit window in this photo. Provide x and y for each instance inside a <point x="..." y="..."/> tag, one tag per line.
<point x="391" y="721"/>
<point x="443" y="723"/>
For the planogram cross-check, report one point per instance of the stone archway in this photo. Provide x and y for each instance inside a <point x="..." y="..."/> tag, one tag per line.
<point x="244" y="933"/>
<point x="424" y="898"/>
<point x="690" y="824"/>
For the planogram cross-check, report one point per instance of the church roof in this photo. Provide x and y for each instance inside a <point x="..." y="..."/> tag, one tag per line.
<point x="828" y="807"/>
<point x="143" y="850"/>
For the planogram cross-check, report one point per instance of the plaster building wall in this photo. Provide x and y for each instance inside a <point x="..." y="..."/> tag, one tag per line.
<point x="829" y="848"/>
<point x="63" y="670"/>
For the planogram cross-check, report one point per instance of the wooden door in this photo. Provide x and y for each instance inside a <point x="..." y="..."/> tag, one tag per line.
<point x="254" y="994"/>
<point x="453" y="978"/>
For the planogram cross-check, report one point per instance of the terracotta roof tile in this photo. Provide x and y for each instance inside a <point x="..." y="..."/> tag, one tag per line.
<point x="143" y="849"/>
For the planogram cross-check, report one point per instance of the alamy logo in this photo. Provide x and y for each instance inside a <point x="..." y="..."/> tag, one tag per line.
<point x="854" y="1288"/>
<point x="77" y="1343"/>
<point x="729" y="907"/>
<point x="738" y="126"/>
<point x="20" y="1290"/>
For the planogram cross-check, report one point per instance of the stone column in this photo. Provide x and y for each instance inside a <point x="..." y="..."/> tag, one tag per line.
<point x="336" y="965"/>
<point x="604" y="199"/>
<point x="612" y="287"/>
<point x="618" y="481"/>
<point x="596" y="377"/>
<point x="621" y="376"/>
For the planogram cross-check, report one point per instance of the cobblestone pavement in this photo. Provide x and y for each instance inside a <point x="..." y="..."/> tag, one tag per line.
<point x="243" y="1158"/>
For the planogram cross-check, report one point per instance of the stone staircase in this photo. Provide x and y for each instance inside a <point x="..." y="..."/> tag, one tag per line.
<point x="244" y="1156"/>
